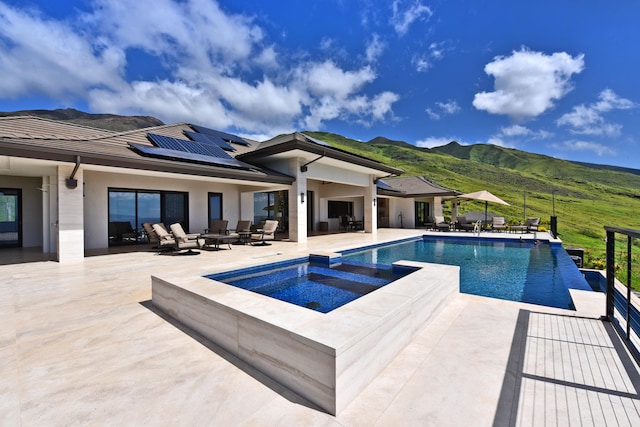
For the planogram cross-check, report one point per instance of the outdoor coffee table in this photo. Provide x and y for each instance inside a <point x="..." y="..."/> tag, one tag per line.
<point x="216" y="239"/>
<point x="244" y="237"/>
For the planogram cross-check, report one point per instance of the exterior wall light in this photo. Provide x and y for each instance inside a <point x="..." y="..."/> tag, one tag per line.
<point x="374" y="201"/>
<point x="301" y="197"/>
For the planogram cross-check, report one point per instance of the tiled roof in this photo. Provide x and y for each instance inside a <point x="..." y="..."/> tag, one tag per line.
<point x="51" y="140"/>
<point x="417" y="186"/>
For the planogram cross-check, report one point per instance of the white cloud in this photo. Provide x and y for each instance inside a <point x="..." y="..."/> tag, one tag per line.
<point x="444" y="108"/>
<point x="41" y="56"/>
<point x="435" y="52"/>
<point x="515" y="130"/>
<point x="449" y="107"/>
<point x="405" y="15"/>
<point x="585" y="146"/>
<point x="527" y="83"/>
<point x="215" y="67"/>
<point x="514" y="135"/>
<point x="589" y="119"/>
<point x="435" y="142"/>
<point x="374" y="48"/>
<point x="432" y="114"/>
<point x="327" y="79"/>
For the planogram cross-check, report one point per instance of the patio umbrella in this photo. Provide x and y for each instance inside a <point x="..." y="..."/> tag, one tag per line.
<point x="486" y="196"/>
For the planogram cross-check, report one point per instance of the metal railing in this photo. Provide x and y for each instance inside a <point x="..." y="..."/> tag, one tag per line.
<point x="620" y="308"/>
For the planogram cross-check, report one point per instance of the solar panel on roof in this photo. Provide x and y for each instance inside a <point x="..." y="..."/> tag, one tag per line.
<point x="226" y="136"/>
<point x="166" y="153"/>
<point x="381" y="184"/>
<point x="209" y="139"/>
<point x="166" y="142"/>
<point x="317" y="141"/>
<point x="203" y="149"/>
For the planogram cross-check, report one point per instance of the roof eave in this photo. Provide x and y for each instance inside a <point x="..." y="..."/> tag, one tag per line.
<point x="296" y="143"/>
<point x="149" y="164"/>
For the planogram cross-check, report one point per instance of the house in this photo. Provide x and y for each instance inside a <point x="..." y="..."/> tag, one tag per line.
<point x="70" y="189"/>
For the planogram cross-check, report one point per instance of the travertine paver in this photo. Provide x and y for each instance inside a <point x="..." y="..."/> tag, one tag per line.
<point x="81" y="345"/>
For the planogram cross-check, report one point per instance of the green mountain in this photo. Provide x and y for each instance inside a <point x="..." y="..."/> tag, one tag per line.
<point x="102" y="121"/>
<point x="585" y="198"/>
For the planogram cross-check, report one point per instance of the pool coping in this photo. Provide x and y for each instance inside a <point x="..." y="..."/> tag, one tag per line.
<point x="327" y="358"/>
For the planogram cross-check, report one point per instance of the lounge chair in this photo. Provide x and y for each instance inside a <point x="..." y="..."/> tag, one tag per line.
<point x="184" y="240"/>
<point x="165" y="239"/>
<point x="465" y="224"/>
<point x="498" y="223"/>
<point x="268" y="232"/>
<point x="152" y="237"/>
<point x="430" y="224"/>
<point x="441" y="224"/>
<point x="531" y="224"/>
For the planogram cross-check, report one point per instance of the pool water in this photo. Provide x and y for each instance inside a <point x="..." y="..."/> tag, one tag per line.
<point x="320" y="287"/>
<point x="525" y="271"/>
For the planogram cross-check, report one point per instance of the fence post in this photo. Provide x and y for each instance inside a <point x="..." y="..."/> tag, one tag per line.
<point x="611" y="272"/>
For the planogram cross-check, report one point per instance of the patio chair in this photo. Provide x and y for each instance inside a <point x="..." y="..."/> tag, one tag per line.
<point x="498" y="223"/>
<point x="217" y="226"/>
<point x="165" y="239"/>
<point x="345" y="222"/>
<point x="441" y="224"/>
<point x="268" y="232"/>
<point x="242" y="232"/>
<point x="465" y="224"/>
<point x="184" y="240"/>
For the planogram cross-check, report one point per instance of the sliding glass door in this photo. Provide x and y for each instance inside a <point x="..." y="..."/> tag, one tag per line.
<point x="10" y="217"/>
<point x="272" y="205"/>
<point x="129" y="209"/>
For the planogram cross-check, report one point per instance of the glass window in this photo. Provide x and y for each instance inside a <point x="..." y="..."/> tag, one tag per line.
<point x="148" y="208"/>
<point x="215" y="206"/>
<point x="175" y="209"/>
<point x="338" y="208"/>
<point x="10" y="217"/>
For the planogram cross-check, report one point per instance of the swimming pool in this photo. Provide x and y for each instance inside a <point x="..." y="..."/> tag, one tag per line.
<point x="525" y="271"/>
<point x="314" y="282"/>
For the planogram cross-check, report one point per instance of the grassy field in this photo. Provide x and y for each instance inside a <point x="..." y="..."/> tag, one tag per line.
<point x="586" y="199"/>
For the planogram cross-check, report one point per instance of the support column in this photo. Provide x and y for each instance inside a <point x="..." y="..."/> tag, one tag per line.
<point x="437" y="206"/>
<point x="70" y="217"/>
<point x="298" y="208"/>
<point x="370" y="207"/>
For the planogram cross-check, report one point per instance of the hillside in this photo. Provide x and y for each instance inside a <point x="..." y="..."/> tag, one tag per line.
<point x="103" y="121"/>
<point x="586" y="198"/>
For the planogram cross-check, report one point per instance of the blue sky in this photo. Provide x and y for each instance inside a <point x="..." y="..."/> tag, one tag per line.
<point x="552" y="77"/>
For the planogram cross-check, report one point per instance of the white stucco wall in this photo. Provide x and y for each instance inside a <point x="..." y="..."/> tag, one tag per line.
<point x="404" y="206"/>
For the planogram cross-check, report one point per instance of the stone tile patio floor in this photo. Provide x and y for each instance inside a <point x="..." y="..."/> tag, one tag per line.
<point x="81" y="344"/>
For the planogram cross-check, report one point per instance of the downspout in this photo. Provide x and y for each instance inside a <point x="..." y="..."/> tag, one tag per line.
<point x="71" y="182"/>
